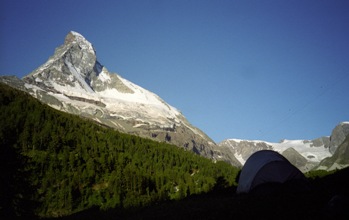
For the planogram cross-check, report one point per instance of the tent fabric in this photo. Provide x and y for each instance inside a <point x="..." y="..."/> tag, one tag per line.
<point x="266" y="166"/>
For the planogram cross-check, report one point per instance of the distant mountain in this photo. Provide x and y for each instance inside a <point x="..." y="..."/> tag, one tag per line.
<point x="321" y="153"/>
<point x="74" y="81"/>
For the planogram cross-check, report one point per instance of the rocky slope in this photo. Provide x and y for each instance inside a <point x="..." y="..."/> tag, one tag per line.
<point x="321" y="153"/>
<point x="340" y="157"/>
<point x="74" y="81"/>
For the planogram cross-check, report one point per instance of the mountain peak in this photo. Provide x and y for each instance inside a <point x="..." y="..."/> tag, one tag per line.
<point x="76" y="34"/>
<point x="75" y="37"/>
<point x="71" y="68"/>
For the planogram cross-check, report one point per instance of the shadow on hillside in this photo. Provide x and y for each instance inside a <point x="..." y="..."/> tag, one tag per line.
<point x="328" y="199"/>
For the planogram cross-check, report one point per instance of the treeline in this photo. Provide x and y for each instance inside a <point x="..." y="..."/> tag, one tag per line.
<point x="55" y="164"/>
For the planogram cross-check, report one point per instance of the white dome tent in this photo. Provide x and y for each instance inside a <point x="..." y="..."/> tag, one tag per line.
<point x="269" y="167"/>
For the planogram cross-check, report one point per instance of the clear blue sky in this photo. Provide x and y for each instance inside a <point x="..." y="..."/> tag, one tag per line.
<point x="265" y="70"/>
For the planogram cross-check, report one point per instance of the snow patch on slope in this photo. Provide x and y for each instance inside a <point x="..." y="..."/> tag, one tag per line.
<point x="103" y="76"/>
<point x="78" y="76"/>
<point x="239" y="158"/>
<point x="141" y="97"/>
<point x="314" y="154"/>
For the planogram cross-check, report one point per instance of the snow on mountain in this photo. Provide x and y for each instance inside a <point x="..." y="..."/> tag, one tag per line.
<point x="305" y="148"/>
<point x="311" y="151"/>
<point x="112" y="98"/>
<point x="304" y="154"/>
<point x="145" y="103"/>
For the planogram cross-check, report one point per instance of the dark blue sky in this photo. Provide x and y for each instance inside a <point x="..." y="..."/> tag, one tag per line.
<point x="264" y="70"/>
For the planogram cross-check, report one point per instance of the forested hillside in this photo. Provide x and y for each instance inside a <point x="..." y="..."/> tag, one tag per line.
<point x="55" y="164"/>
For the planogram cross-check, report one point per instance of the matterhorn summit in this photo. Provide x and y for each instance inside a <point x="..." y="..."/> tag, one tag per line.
<point x="74" y="81"/>
<point x="74" y="75"/>
<point x="70" y="69"/>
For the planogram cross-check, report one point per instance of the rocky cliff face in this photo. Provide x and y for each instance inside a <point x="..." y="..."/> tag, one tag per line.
<point x="340" y="158"/>
<point x="340" y="145"/>
<point x="339" y="134"/>
<point x="73" y="80"/>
